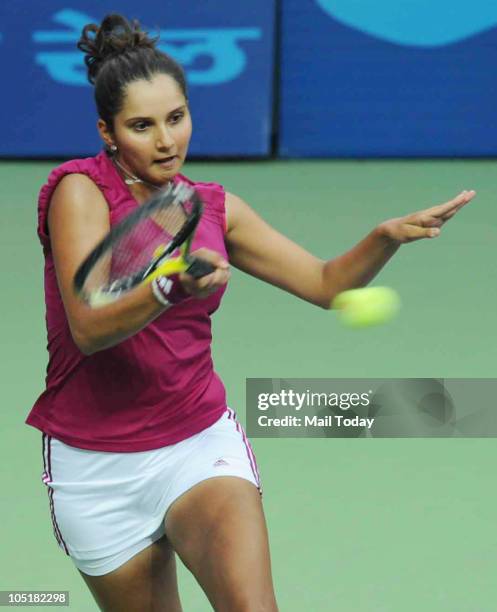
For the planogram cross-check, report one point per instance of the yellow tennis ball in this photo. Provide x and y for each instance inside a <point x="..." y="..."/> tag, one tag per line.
<point x="366" y="307"/>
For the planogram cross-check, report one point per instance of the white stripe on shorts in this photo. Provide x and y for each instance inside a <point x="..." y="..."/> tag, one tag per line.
<point x="248" y="447"/>
<point x="47" y="479"/>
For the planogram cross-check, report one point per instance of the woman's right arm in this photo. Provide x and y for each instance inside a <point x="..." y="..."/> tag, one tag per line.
<point x="78" y="218"/>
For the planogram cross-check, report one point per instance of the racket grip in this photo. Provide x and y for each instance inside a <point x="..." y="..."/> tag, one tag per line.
<point x="199" y="268"/>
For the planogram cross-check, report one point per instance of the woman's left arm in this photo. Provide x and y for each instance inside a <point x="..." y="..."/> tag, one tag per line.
<point x="258" y="249"/>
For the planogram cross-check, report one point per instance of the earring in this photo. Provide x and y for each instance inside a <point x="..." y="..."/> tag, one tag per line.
<point x="113" y="148"/>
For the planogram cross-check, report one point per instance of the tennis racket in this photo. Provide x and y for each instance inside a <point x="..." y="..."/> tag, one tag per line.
<point x="154" y="240"/>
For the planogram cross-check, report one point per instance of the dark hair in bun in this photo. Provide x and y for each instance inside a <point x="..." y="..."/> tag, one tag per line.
<point x="117" y="53"/>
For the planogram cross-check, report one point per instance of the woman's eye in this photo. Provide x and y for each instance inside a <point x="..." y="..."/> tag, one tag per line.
<point x="140" y="127"/>
<point x="176" y="118"/>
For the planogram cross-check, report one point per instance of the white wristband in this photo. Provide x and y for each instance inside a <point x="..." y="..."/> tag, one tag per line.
<point x="159" y="293"/>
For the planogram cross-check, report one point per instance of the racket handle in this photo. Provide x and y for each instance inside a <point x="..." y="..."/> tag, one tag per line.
<point x="199" y="268"/>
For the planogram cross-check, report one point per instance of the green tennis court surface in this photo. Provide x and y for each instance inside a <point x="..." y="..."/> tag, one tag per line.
<point x="355" y="525"/>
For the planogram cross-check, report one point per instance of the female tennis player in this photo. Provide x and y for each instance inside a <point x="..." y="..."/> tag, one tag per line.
<point x="142" y="457"/>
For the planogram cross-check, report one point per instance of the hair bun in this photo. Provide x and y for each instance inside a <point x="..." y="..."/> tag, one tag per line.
<point x="114" y="36"/>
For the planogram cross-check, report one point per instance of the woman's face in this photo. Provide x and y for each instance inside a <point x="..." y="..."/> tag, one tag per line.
<point x="153" y="129"/>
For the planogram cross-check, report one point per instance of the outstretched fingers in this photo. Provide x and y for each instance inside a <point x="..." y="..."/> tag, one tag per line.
<point x="449" y="209"/>
<point x="425" y="223"/>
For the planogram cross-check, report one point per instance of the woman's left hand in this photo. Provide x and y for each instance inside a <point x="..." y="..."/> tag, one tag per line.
<point x="206" y="285"/>
<point x="425" y="223"/>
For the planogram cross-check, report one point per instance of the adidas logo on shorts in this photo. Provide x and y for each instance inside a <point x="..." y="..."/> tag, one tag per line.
<point x="220" y="462"/>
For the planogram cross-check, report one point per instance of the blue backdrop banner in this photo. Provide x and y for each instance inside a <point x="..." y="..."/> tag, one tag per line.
<point x="227" y="53"/>
<point x="388" y="78"/>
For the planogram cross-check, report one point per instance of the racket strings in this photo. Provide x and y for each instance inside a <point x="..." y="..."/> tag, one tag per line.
<point x="127" y="259"/>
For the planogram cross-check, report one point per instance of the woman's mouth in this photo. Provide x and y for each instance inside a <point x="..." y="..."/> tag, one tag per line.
<point x="166" y="162"/>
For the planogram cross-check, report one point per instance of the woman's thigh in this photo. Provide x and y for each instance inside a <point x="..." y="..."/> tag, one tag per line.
<point x="145" y="583"/>
<point x="219" y="531"/>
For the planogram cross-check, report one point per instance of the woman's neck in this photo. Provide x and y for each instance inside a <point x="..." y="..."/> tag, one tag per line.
<point x="140" y="189"/>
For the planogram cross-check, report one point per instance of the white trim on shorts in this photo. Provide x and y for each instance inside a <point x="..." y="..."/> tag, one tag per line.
<point x="101" y="526"/>
<point x="248" y="447"/>
<point x="47" y="479"/>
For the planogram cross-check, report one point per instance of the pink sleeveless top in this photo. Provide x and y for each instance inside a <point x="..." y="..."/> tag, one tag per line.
<point x="155" y="388"/>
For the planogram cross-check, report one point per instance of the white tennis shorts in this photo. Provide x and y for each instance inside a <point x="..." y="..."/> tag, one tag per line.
<point x="107" y="507"/>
